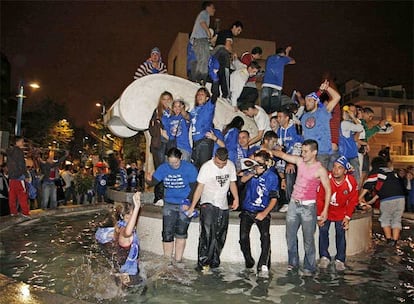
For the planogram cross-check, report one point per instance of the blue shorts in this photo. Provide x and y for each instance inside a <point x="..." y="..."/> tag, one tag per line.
<point x="174" y="223"/>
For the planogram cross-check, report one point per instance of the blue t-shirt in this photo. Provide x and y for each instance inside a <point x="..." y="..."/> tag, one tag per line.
<point x="231" y="139"/>
<point x="100" y="183"/>
<point x="275" y="67"/>
<point x="258" y="191"/>
<point x="316" y="126"/>
<point x="202" y="120"/>
<point x="176" y="181"/>
<point x="177" y="127"/>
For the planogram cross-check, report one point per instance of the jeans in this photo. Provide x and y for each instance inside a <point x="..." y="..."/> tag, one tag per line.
<point x="70" y="194"/>
<point x="199" y="70"/>
<point x="305" y="216"/>
<point x="174" y="223"/>
<point x="290" y="181"/>
<point x="355" y="163"/>
<point x="339" y="239"/>
<point x="223" y="57"/>
<point x="325" y="160"/>
<point x="202" y="152"/>
<point x="271" y="99"/>
<point x="49" y="194"/>
<point x="247" y="219"/>
<point x="213" y="231"/>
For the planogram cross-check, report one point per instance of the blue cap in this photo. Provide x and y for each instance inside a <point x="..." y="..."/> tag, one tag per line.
<point x="344" y="163"/>
<point x="156" y="50"/>
<point x="313" y="95"/>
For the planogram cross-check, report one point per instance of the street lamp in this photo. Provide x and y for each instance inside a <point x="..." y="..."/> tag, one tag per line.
<point x="20" y="98"/>
<point x="103" y="127"/>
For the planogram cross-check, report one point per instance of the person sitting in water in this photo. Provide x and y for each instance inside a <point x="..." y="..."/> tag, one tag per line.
<point x="125" y="236"/>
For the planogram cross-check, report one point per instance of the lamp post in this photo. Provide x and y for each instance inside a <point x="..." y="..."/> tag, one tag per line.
<point x="20" y="97"/>
<point x="102" y="105"/>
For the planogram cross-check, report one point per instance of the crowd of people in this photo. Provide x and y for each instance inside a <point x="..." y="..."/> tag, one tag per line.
<point x="309" y="157"/>
<point x="32" y="181"/>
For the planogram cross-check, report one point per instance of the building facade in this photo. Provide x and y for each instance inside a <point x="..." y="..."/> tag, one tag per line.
<point x="391" y="104"/>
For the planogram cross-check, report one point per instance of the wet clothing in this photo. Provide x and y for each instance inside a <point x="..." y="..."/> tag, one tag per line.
<point x="259" y="191"/>
<point x="177" y="128"/>
<point x="231" y="140"/>
<point x="214" y="213"/>
<point x="343" y="201"/>
<point x="306" y="182"/>
<point x="176" y="181"/>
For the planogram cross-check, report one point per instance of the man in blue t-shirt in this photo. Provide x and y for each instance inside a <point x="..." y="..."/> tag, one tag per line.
<point x="273" y="79"/>
<point x="179" y="178"/>
<point x="315" y="122"/>
<point x="261" y="197"/>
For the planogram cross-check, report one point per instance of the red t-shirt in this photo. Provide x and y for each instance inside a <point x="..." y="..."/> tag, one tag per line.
<point x="344" y="198"/>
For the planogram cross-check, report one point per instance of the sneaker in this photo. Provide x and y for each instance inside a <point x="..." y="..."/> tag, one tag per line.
<point x="159" y="203"/>
<point x="284" y="208"/>
<point x="291" y="268"/>
<point x="263" y="272"/>
<point x="26" y="216"/>
<point x="324" y="262"/>
<point x="340" y="266"/>
<point x="307" y="273"/>
<point x="14" y="214"/>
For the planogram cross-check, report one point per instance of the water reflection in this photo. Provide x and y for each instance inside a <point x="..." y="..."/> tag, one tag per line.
<point x="60" y="254"/>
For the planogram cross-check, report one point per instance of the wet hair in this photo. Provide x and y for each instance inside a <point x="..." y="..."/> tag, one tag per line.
<point x="286" y="111"/>
<point x="257" y="50"/>
<point x="237" y="122"/>
<point x="311" y="143"/>
<point x="255" y="65"/>
<point x="174" y="152"/>
<point x="222" y="154"/>
<point x="121" y="209"/>
<point x="269" y="135"/>
<point x="237" y="24"/>
<point x="199" y="90"/>
<point x="160" y="107"/>
<point x="206" y="4"/>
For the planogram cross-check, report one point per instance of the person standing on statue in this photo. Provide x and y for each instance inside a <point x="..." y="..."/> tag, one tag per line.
<point x="200" y="41"/>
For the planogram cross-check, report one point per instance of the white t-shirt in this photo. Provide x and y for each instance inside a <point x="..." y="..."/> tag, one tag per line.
<point x="262" y="120"/>
<point x="216" y="183"/>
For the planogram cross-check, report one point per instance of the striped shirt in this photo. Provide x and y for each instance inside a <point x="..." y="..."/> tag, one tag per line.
<point x="147" y="69"/>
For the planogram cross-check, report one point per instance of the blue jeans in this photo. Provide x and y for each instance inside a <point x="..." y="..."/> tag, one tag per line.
<point x="339" y="239"/>
<point x="290" y="181"/>
<point x="305" y="216"/>
<point x="271" y="100"/>
<point x="49" y="193"/>
<point x="174" y="223"/>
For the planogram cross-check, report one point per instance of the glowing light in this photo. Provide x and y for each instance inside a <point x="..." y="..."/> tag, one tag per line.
<point x="25" y="291"/>
<point x="34" y="85"/>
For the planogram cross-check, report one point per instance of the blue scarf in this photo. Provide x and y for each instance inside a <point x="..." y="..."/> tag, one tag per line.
<point x="131" y="264"/>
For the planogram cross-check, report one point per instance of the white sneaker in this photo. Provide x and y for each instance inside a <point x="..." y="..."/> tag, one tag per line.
<point x="284" y="208"/>
<point x="263" y="272"/>
<point x="159" y="203"/>
<point x="324" y="262"/>
<point x="340" y="266"/>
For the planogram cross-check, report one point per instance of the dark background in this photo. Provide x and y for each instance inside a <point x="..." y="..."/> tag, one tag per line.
<point x="85" y="51"/>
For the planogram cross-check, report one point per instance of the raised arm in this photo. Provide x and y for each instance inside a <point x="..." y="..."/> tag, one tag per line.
<point x="333" y="94"/>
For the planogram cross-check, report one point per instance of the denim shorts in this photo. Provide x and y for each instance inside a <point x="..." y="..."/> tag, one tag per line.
<point x="391" y="212"/>
<point x="174" y="223"/>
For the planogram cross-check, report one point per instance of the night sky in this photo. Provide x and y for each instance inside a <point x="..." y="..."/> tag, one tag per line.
<point x="85" y="51"/>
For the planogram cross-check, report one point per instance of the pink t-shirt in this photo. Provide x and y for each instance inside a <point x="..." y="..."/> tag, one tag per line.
<point x="306" y="183"/>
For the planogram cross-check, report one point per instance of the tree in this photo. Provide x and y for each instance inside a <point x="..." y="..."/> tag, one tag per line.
<point x="62" y="133"/>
